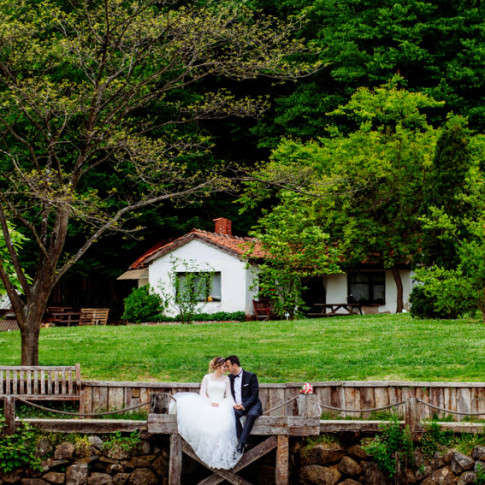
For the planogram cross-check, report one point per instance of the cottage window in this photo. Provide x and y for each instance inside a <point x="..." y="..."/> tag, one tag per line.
<point x="198" y="283"/>
<point x="367" y="287"/>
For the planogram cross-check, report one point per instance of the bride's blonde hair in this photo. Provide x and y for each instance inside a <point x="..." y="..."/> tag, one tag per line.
<point x="215" y="363"/>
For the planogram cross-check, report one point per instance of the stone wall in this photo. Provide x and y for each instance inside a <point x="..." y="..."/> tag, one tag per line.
<point x="87" y="460"/>
<point x="333" y="464"/>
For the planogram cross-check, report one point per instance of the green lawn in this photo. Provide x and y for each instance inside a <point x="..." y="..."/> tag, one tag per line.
<point x="384" y="347"/>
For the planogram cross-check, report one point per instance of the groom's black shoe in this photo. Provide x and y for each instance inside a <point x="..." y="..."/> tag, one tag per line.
<point x="240" y="447"/>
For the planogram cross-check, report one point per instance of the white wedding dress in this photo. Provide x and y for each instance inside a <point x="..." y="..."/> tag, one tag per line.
<point x="209" y="430"/>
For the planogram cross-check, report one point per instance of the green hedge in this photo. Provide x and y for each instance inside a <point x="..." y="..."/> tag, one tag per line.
<point x="203" y="317"/>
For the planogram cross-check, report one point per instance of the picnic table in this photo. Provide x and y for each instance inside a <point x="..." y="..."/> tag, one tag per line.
<point x="67" y="316"/>
<point x="62" y="316"/>
<point x="332" y="309"/>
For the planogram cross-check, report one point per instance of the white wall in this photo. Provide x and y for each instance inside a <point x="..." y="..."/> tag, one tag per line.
<point x="235" y="280"/>
<point x="336" y="288"/>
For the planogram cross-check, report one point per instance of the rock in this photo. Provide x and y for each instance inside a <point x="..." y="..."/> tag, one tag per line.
<point x="11" y="477"/>
<point x="466" y="478"/>
<point x="480" y="464"/>
<point x="77" y="474"/>
<point x="357" y="451"/>
<point x="160" y="465"/>
<point x="423" y="471"/>
<point x="437" y="461"/>
<point x="136" y="463"/>
<point x="372" y="474"/>
<point x="321" y="454"/>
<point x="347" y="466"/>
<point x="479" y="453"/>
<point x="448" y="456"/>
<point x="457" y="470"/>
<point x="100" y="479"/>
<point x="50" y="464"/>
<point x="143" y="476"/>
<point x="96" y="441"/>
<point x="104" y="459"/>
<point x="114" y="468"/>
<point x="33" y="481"/>
<point x="55" y="477"/>
<point x="465" y="462"/>
<point x="43" y="447"/>
<point x="143" y="448"/>
<point x="443" y="476"/>
<point x="410" y="476"/>
<point x="121" y="479"/>
<point x="64" y="451"/>
<point x="419" y="458"/>
<point x="319" y="475"/>
<point x="349" y="481"/>
<point x="116" y="452"/>
<point x="82" y="450"/>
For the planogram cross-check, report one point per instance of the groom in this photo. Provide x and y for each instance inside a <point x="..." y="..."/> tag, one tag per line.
<point x="245" y="391"/>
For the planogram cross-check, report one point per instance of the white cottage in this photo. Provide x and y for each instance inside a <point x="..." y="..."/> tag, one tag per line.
<point x="223" y="255"/>
<point x="218" y="252"/>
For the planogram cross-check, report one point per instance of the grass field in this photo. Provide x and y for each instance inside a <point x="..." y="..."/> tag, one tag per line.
<point x="384" y="347"/>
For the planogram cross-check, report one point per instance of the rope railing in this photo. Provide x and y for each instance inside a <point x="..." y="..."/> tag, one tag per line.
<point x="72" y="413"/>
<point x="383" y="408"/>
<point x="280" y="405"/>
<point x="448" y="410"/>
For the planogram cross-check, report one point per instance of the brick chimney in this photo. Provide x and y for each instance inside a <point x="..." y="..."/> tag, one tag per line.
<point x="223" y="226"/>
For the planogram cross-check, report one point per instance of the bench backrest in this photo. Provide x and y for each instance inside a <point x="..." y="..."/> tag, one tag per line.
<point x="94" y="316"/>
<point x="54" y="383"/>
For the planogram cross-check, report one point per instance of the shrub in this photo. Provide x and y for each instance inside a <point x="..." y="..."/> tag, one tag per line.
<point x="393" y="444"/>
<point x="220" y="316"/>
<point x="142" y="305"/>
<point x="434" y="439"/>
<point x="445" y="294"/>
<point x="18" y="450"/>
<point x="422" y="304"/>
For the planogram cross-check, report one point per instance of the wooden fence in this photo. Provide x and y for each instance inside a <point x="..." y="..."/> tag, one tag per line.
<point x="466" y="397"/>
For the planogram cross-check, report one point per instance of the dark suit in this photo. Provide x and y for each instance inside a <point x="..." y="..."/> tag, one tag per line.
<point x="250" y="401"/>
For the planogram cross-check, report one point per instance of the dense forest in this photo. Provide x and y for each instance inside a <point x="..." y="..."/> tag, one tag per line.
<point x="152" y="114"/>
<point x="437" y="47"/>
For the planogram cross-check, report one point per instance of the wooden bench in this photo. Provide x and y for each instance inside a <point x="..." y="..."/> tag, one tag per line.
<point x="94" y="316"/>
<point x="47" y="383"/>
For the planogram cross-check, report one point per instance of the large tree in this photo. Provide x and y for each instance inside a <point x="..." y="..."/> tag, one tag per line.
<point x="96" y="90"/>
<point x="366" y="186"/>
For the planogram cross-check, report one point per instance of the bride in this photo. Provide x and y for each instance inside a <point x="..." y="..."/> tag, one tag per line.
<point x="206" y="421"/>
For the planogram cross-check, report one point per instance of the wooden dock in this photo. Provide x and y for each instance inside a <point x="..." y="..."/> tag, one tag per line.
<point x="277" y="431"/>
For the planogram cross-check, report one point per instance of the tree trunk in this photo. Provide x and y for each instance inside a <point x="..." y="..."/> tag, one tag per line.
<point x="30" y="345"/>
<point x="398" y="281"/>
<point x="30" y="319"/>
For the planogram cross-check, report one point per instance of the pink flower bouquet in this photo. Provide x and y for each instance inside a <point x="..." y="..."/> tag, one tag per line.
<point x="306" y="389"/>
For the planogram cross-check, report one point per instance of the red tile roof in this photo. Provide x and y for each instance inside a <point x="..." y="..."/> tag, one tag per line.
<point x="237" y="246"/>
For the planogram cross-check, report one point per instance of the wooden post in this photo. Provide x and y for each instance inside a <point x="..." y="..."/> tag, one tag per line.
<point x="309" y="406"/>
<point x="411" y="416"/>
<point x="159" y="403"/>
<point x="10" y="414"/>
<point x="282" y="461"/>
<point x="175" y="463"/>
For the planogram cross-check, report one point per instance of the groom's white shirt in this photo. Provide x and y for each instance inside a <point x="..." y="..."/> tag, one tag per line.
<point x="237" y="387"/>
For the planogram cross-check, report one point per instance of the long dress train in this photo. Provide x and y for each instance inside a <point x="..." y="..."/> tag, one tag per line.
<point x="209" y="430"/>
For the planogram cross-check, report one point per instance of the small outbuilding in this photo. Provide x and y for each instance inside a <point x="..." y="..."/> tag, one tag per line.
<point x="219" y="253"/>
